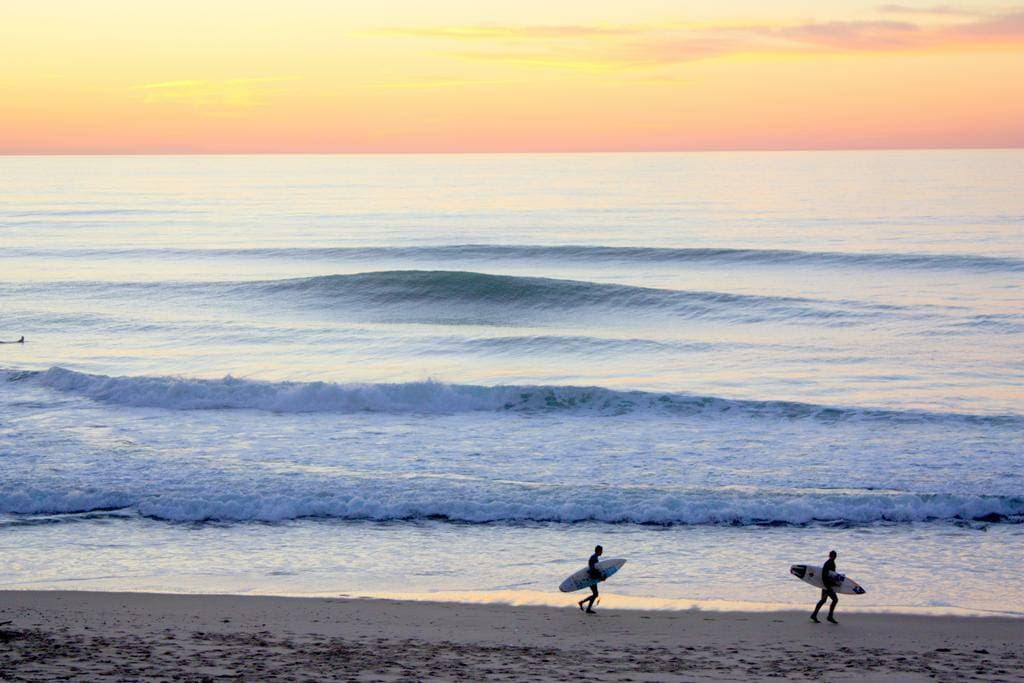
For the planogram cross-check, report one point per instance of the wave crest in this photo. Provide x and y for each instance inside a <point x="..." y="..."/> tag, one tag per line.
<point x="413" y="294"/>
<point x="431" y="397"/>
<point x="380" y="502"/>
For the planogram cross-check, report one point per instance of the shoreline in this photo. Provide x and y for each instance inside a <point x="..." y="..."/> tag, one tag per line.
<point x="552" y="599"/>
<point x="114" y="636"/>
<point x="634" y="603"/>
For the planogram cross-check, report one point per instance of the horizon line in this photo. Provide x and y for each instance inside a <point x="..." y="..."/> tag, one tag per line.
<point x="699" y="150"/>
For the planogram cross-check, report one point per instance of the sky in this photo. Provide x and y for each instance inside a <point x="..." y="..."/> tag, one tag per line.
<point x="333" y="76"/>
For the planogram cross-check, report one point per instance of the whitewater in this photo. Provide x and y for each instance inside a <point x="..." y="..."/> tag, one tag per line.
<point x="378" y="375"/>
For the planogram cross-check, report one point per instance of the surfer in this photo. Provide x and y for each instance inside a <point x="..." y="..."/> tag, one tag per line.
<point x="597" y="575"/>
<point x="828" y="589"/>
<point x="19" y="341"/>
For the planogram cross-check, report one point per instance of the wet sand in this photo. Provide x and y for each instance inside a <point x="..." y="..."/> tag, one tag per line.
<point x="87" y="636"/>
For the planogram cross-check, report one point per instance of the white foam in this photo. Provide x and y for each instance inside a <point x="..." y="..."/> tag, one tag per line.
<point x="270" y="501"/>
<point x="177" y="393"/>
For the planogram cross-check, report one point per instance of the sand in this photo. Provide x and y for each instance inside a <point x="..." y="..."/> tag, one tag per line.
<point x="85" y="636"/>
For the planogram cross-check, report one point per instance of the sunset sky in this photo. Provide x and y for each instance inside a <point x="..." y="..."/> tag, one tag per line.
<point x="120" y="76"/>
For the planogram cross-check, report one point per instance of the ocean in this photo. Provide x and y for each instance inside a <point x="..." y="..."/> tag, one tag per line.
<point x="430" y="376"/>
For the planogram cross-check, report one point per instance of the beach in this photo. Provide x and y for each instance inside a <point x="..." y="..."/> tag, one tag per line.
<point x="96" y="636"/>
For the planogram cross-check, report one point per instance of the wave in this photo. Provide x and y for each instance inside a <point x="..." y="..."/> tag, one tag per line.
<point x="378" y="502"/>
<point x="107" y="211"/>
<point x="461" y="295"/>
<point x="547" y="343"/>
<point x="430" y="397"/>
<point x="576" y="254"/>
<point x="465" y="297"/>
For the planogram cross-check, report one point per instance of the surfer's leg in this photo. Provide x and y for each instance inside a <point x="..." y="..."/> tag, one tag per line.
<point x="832" y="607"/>
<point x="824" y="597"/>
<point x="589" y="599"/>
<point x="592" y="598"/>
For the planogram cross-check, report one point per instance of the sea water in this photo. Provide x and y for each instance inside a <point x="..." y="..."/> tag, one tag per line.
<point x="455" y="374"/>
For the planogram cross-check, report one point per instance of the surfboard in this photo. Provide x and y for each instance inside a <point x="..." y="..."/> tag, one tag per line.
<point x="841" y="583"/>
<point x="581" y="579"/>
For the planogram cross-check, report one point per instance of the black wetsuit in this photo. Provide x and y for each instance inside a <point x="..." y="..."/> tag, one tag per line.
<point x="596" y="574"/>
<point x="827" y="570"/>
<point x="828" y="590"/>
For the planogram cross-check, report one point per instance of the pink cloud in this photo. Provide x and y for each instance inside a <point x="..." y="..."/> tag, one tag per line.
<point x="1008" y="25"/>
<point x="851" y="35"/>
<point x="609" y="47"/>
<point x="931" y="10"/>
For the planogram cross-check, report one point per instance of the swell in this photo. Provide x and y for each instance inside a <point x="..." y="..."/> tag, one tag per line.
<point x="429" y="397"/>
<point x="448" y="296"/>
<point x="107" y="211"/>
<point x="575" y="254"/>
<point x="548" y="343"/>
<point x="460" y="295"/>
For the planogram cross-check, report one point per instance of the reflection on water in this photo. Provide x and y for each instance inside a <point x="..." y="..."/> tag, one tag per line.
<point x="925" y="568"/>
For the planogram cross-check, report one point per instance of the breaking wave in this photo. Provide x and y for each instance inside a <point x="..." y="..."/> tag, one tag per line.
<point x="431" y="397"/>
<point x="427" y="500"/>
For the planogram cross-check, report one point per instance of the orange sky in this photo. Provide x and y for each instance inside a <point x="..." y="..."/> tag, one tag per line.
<point x="112" y="76"/>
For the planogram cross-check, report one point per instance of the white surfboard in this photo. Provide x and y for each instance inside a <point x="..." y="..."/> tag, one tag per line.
<point x="581" y="579"/>
<point x="841" y="583"/>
